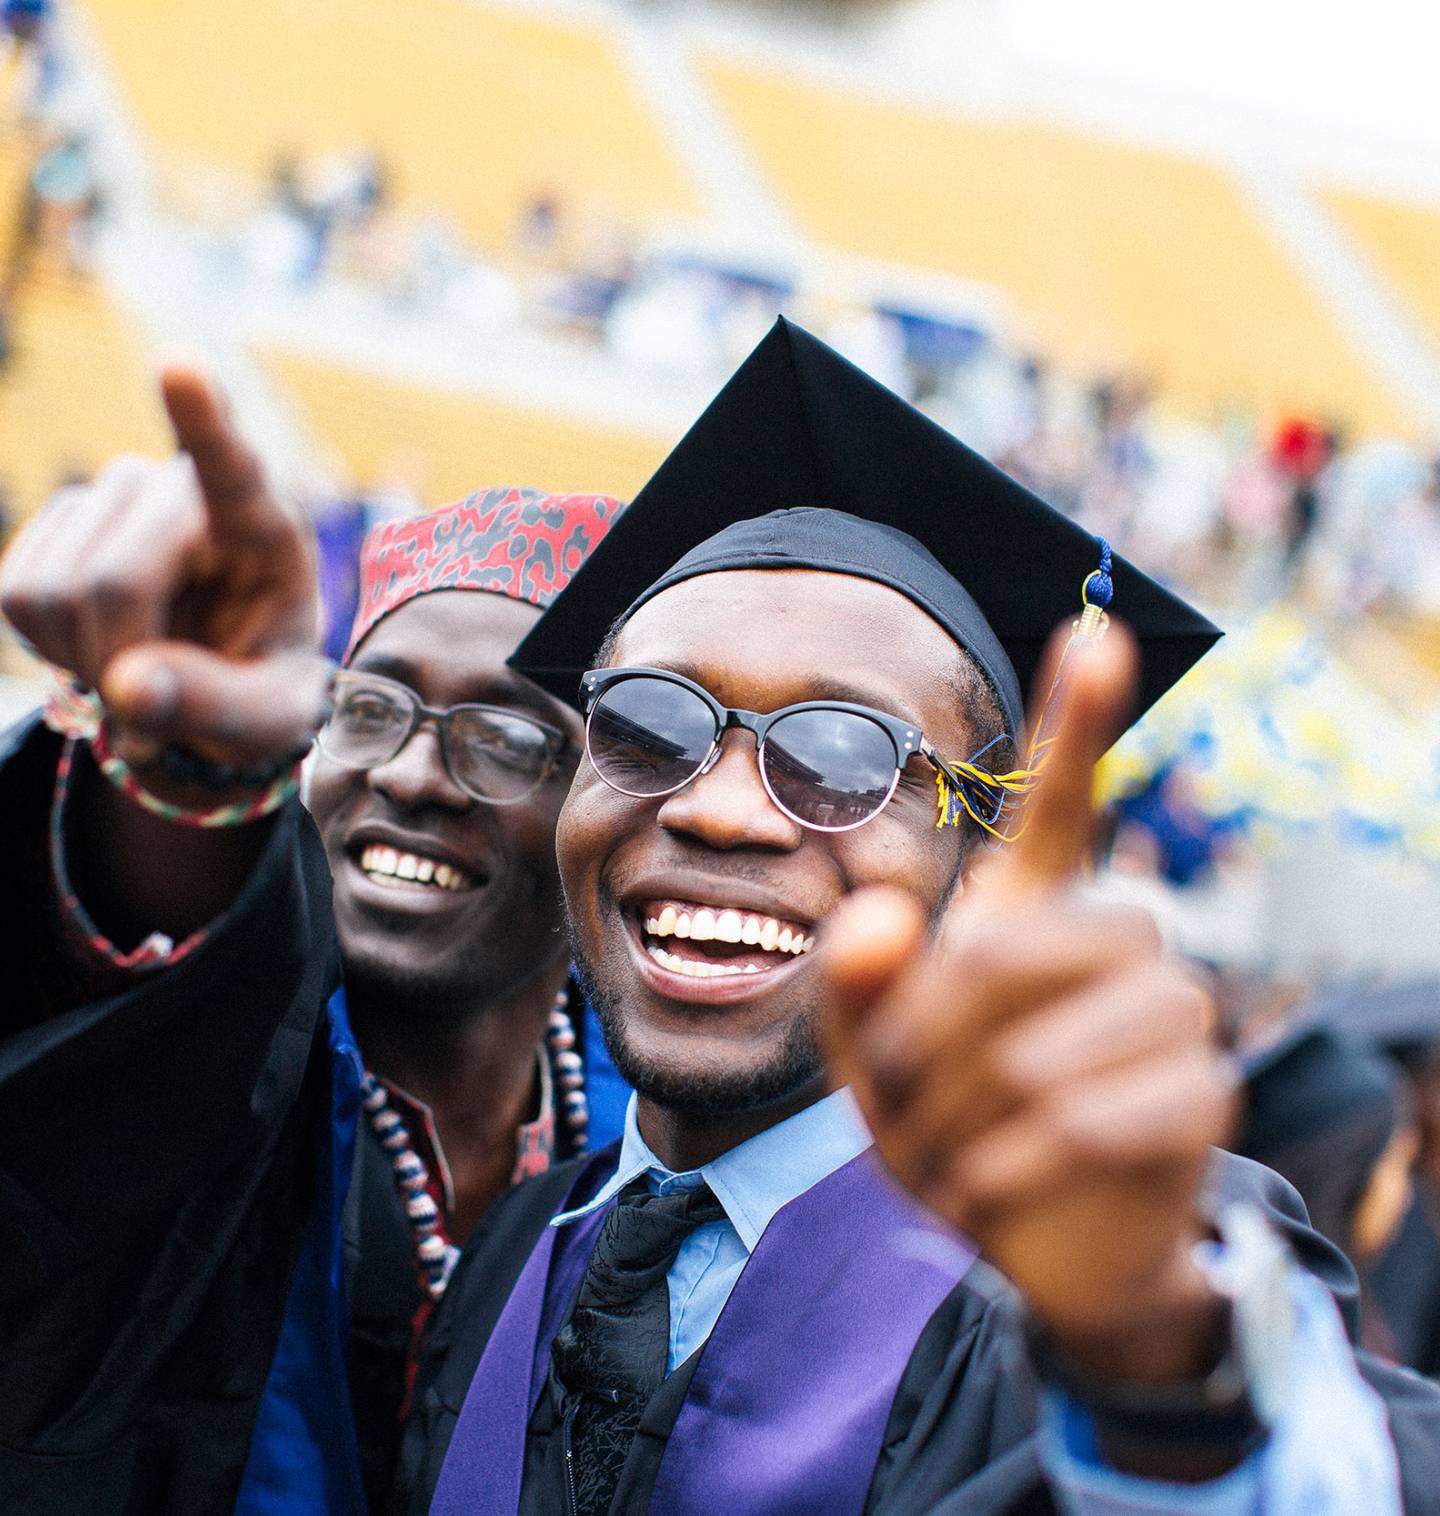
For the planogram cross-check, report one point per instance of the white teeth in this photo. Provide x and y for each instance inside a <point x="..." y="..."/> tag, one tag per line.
<point x="728" y="926"/>
<point x="693" y="969"/>
<point x="386" y="864"/>
<point x="706" y="924"/>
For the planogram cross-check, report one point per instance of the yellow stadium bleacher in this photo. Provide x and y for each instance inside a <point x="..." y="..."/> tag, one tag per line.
<point x="473" y="107"/>
<point x="448" y="444"/>
<point x="1402" y="240"/>
<point x="80" y="387"/>
<point x="1113" y="254"/>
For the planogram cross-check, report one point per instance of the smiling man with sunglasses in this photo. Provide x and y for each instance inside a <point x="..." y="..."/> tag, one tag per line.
<point x="244" y="1186"/>
<point x="800" y="723"/>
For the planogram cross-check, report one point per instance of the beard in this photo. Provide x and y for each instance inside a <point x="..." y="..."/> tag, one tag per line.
<point x="420" y="998"/>
<point x="699" y="1090"/>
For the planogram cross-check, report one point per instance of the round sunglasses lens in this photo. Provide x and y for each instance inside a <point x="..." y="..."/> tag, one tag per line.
<point x="366" y="726"/>
<point x="649" y="736"/>
<point x="497" y="756"/>
<point x="831" y="769"/>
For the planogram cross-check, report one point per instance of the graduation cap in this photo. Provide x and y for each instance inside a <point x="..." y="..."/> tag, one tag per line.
<point x="1320" y="1108"/>
<point x="804" y="461"/>
<point x="1402" y="1017"/>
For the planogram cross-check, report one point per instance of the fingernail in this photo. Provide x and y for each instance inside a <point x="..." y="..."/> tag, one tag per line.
<point x="154" y="694"/>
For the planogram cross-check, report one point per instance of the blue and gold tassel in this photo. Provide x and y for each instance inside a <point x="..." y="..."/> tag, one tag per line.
<point x="968" y="788"/>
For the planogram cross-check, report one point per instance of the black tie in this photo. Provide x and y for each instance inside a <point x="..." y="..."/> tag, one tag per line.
<point x="610" y="1355"/>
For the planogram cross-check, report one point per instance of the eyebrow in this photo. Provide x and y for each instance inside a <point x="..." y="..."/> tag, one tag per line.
<point x="817" y="688"/>
<point x="508" y="689"/>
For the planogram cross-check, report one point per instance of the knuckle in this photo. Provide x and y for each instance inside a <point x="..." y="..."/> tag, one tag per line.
<point x="112" y="594"/>
<point x="1016" y="1073"/>
<point x="1070" y="1130"/>
<point x="19" y="607"/>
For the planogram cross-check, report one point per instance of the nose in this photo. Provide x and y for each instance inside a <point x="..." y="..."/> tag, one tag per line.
<point x="727" y="805"/>
<point x="417" y="775"/>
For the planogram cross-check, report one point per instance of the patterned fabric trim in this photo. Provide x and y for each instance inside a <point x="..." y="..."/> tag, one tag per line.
<point x="157" y="950"/>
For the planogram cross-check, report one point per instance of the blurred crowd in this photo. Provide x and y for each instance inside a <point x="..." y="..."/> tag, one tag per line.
<point x="1238" y="512"/>
<point x="49" y="224"/>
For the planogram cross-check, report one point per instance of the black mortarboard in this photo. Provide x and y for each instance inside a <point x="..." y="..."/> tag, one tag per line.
<point x="796" y="447"/>
<point x="1320" y="1109"/>
<point x="1400" y="1018"/>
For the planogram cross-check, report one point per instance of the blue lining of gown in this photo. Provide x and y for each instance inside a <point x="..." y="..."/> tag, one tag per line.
<point x="303" y="1452"/>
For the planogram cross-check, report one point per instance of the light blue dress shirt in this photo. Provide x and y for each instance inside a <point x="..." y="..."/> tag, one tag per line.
<point x="1329" y="1451"/>
<point x="752" y="1182"/>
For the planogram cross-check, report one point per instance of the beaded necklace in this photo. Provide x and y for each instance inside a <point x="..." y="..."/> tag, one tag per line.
<point x="435" y="1254"/>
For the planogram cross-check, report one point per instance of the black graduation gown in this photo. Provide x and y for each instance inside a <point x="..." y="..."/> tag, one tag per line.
<point x="156" y="1159"/>
<point x="1406" y="1287"/>
<point x="960" y="1440"/>
<point x="157" y="1155"/>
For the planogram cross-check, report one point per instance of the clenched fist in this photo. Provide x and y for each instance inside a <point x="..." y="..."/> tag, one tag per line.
<point x="1040" y="1072"/>
<point x="182" y="592"/>
<point x="187" y="597"/>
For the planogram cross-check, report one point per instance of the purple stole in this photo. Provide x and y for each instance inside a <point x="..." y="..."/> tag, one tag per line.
<point x="787" y="1407"/>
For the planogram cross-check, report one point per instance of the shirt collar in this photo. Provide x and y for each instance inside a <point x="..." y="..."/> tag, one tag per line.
<point x="752" y="1181"/>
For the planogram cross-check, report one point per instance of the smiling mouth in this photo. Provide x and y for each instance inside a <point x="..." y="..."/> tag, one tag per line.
<point x="710" y="942"/>
<point x="401" y="870"/>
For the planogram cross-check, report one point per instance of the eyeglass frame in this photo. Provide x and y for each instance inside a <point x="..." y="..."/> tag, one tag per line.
<point x="905" y="736"/>
<point x="558" y="743"/>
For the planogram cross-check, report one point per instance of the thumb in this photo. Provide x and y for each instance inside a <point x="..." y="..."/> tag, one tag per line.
<point x="222" y="709"/>
<point x="868" y="942"/>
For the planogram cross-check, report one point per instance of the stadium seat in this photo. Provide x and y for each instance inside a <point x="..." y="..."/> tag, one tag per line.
<point x="1403" y="241"/>
<point x="446" y="444"/>
<point x="1113" y="254"/>
<point x="475" y="108"/>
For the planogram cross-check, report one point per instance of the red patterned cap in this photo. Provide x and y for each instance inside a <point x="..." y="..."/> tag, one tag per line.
<point x="507" y="540"/>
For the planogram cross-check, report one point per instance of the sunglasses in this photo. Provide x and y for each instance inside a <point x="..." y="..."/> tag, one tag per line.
<point x="493" y="754"/>
<point x="827" y="764"/>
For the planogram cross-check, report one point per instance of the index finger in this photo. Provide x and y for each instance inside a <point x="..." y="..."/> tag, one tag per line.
<point x="1058" y="823"/>
<point x="231" y="479"/>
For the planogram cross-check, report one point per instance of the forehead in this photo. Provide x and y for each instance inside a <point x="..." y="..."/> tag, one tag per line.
<point x="448" y="639"/>
<point x="761" y="638"/>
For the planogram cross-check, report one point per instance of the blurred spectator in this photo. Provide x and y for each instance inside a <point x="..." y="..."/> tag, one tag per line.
<point x="1160" y="829"/>
<point x="1402" y="1020"/>
<point x="61" y="199"/>
<point x="25" y="20"/>
<point x="1334" y="1119"/>
<point x="1410" y="548"/>
<point x="1301" y="450"/>
<point x="538" y="236"/>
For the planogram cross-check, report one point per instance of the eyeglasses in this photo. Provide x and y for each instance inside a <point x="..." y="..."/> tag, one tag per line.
<point x="493" y="754"/>
<point x="827" y="764"/>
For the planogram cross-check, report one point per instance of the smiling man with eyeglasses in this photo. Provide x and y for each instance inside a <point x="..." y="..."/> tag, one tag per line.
<point x="801" y="657"/>
<point x="449" y="1064"/>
